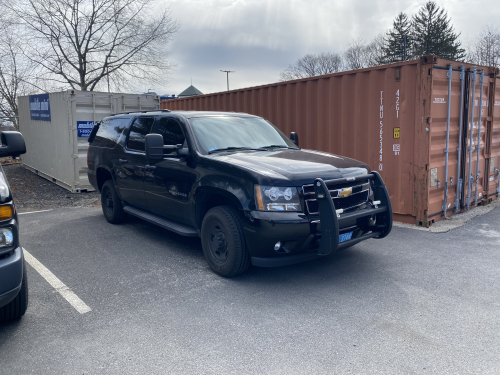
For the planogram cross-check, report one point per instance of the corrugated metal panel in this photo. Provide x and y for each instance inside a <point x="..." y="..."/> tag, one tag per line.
<point x="53" y="149"/>
<point x="393" y="117"/>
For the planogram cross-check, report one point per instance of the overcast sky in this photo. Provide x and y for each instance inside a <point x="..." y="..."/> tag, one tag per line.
<point x="260" y="38"/>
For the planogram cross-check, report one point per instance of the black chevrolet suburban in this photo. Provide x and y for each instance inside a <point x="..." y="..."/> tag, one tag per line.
<point x="13" y="278"/>
<point x="236" y="181"/>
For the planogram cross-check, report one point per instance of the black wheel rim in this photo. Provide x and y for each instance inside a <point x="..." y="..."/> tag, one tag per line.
<point x="217" y="242"/>
<point x="108" y="202"/>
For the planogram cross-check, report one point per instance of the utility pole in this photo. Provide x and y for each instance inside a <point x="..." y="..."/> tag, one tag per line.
<point x="227" y="74"/>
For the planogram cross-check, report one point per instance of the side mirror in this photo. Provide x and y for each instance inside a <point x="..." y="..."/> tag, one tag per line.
<point x="181" y="150"/>
<point x="155" y="150"/>
<point x="154" y="147"/>
<point x="12" y="144"/>
<point x="294" y="137"/>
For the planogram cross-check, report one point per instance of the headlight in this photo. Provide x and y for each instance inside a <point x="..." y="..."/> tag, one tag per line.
<point x="274" y="198"/>
<point x="6" y="237"/>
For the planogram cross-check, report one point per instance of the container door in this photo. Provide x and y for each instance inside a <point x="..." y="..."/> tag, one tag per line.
<point x="445" y="133"/>
<point x="474" y="141"/>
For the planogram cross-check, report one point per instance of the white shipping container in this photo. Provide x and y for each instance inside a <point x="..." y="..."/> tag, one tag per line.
<point x="55" y="127"/>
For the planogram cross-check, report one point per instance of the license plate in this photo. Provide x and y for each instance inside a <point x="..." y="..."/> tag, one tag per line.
<point x="345" y="237"/>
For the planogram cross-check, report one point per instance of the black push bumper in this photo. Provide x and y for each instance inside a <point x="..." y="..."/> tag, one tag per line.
<point x="331" y="222"/>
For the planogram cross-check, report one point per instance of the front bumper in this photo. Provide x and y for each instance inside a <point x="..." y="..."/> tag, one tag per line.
<point x="305" y="238"/>
<point x="11" y="276"/>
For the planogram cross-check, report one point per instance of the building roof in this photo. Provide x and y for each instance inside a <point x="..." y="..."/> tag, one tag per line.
<point x="190" y="91"/>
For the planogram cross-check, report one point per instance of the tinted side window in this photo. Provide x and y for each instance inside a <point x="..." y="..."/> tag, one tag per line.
<point x="171" y="131"/>
<point x="110" y="131"/>
<point x="138" y="131"/>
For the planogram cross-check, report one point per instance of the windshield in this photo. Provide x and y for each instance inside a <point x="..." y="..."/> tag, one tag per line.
<point x="217" y="133"/>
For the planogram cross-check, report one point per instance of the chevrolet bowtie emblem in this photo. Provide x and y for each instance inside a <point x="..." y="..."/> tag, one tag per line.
<point x="345" y="192"/>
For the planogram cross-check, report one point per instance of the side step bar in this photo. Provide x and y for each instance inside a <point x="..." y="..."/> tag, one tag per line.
<point x="182" y="229"/>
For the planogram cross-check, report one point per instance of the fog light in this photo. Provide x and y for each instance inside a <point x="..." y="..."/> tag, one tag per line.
<point x="277" y="246"/>
<point x="6" y="237"/>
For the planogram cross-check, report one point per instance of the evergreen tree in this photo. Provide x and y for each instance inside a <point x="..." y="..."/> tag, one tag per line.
<point x="394" y="46"/>
<point x="434" y="35"/>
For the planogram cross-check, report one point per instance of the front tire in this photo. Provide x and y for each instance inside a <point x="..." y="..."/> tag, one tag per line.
<point x="223" y="242"/>
<point x="18" y="306"/>
<point x="112" y="207"/>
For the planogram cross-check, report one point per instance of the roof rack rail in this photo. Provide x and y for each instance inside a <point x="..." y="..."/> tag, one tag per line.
<point x="121" y="113"/>
<point x="151" y="110"/>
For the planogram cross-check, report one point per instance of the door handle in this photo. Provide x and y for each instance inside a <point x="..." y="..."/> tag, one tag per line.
<point x="123" y="161"/>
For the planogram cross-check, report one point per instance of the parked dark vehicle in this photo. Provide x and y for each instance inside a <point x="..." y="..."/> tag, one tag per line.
<point x="236" y="181"/>
<point x="13" y="277"/>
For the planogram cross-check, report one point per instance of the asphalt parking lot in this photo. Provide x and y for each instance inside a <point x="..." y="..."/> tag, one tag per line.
<point x="415" y="302"/>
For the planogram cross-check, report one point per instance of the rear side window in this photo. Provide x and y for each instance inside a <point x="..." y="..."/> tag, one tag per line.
<point x="138" y="131"/>
<point x="110" y="132"/>
<point x="171" y="131"/>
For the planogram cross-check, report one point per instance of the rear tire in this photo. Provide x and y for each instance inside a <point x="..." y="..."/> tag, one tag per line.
<point x="112" y="207"/>
<point x="18" y="306"/>
<point x="223" y="242"/>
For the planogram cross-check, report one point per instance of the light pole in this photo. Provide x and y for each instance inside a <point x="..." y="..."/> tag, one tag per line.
<point x="227" y="75"/>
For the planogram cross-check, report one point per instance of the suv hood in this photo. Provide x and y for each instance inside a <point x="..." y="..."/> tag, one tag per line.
<point x="296" y="167"/>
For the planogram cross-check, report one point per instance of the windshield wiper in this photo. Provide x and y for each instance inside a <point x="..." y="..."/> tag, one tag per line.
<point x="281" y="146"/>
<point x="237" y="148"/>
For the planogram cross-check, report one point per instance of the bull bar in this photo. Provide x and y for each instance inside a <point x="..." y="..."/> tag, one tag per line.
<point x="331" y="221"/>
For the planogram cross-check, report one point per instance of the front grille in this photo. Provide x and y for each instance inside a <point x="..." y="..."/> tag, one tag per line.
<point x="356" y="199"/>
<point x="309" y="189"/>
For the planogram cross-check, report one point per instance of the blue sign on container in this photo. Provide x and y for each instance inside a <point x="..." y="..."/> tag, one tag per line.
<point x="40" y="107"/>
<point x="84" y="128"/>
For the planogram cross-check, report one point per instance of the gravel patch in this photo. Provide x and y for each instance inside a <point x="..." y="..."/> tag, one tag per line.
<point x="31" y="191"/>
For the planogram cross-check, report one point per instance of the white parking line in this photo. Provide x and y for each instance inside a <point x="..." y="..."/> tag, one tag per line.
<point x="57" y="284"/>
<point x="32" y="212"/>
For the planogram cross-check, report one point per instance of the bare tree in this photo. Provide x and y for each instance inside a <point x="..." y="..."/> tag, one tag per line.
<point x="484" y="49"/>
<point x="18" y="75"/>
<point x="356" y="57"/>
<point x="374" y="51"/>
<point x="81" y="43"/>
<point x="313" y="65"/>
<point x="360" y="55"/>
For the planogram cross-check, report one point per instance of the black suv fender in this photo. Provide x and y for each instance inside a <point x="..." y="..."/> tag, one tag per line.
<point x="219" y="192"/>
